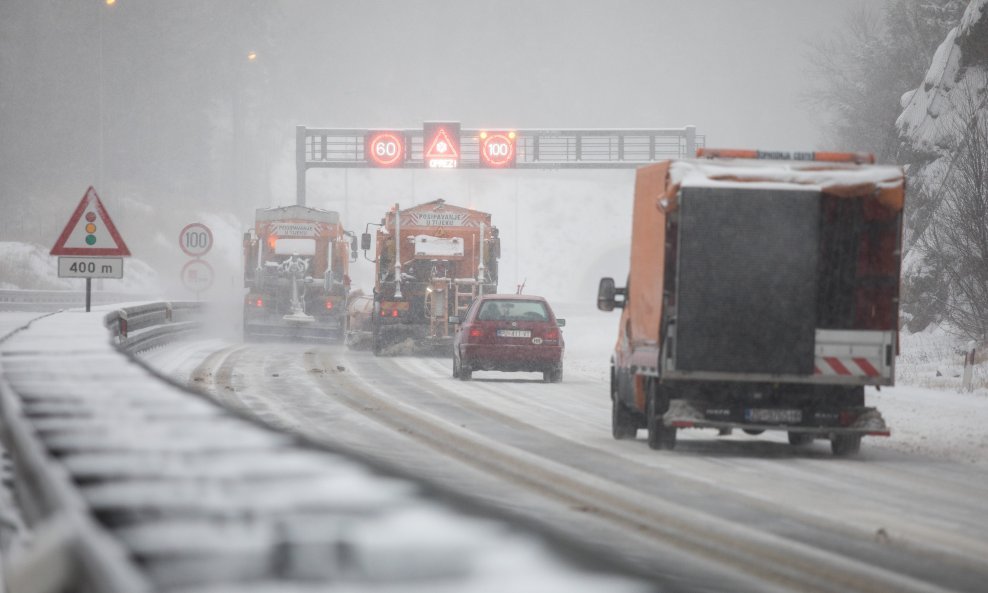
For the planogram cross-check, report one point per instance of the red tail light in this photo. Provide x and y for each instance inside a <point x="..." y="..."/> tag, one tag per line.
<point x="476" y="332"/>
<point x="552" y="334"/>
<point x="329" y="305"/>
<point x="259" y="303"/>
<point x="394" y="312"/>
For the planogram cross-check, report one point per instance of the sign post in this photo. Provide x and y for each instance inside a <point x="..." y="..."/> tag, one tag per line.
<point x="89" y="241"/>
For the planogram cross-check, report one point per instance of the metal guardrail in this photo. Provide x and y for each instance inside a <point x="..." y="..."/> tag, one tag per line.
<point x="70" y="551"/>
<point x="144" y="327"/>
<point x="134" y="485"/>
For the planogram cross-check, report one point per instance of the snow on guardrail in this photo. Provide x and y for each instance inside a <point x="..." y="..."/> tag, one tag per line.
<point x="132" y="484"/>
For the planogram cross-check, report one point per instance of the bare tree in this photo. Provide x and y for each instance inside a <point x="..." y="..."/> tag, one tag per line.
<point x="861" y="74"/>
<point x="956" y="240"/>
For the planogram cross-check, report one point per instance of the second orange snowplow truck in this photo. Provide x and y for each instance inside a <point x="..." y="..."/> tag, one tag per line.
<point x="762" y="295"/>
<point x="432" y="261"/>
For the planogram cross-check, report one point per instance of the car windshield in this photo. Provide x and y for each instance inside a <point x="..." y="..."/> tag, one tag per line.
<point x="513" y="311"/>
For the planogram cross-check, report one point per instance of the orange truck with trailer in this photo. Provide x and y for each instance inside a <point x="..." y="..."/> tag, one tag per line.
<point x="762" y="295"/>
<point x="296" y="262"/>
<point x="431" y="260"/>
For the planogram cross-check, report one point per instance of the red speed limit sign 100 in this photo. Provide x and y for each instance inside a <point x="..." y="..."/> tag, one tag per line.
<point x="385" y="149"/>
<point x="497" y="149"/>
<point x="195" y="239"/>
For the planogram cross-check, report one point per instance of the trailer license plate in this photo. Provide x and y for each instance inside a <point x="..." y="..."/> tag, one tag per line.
<point x="514" y="333"/>
<point x="773" y="416"/>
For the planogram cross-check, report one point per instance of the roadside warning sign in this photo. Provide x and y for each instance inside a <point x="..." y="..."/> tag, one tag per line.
<point x="90" y="231"/>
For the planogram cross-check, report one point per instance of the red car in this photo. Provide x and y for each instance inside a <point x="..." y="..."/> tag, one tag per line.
<point x="509" y="332"/>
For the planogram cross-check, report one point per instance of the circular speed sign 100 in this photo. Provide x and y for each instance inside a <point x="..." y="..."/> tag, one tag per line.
<point x="497" y="149"/>
<point x="195" y="239"/>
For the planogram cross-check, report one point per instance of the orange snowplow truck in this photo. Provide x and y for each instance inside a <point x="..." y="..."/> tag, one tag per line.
<point x="432" y="261"/>
<point x="762" y="295"/>
<point x="295" y="269"/>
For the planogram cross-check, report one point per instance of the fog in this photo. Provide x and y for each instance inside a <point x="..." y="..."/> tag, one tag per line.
<point x="186" y="111"/>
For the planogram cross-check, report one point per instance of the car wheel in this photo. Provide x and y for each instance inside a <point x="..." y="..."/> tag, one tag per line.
<point x="456" y="367"/>
<point x="843" y="445"/>
<point x="553" y="374"/>
<point x="799" y="439"/>
<point x="466" y="373"/>
<point x="660" y="436"/>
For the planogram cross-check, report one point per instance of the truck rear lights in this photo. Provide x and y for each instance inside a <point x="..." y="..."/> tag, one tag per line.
<point x="389" y="313"/>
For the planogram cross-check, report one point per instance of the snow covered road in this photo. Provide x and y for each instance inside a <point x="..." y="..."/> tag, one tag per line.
<point x="751" y="512"/>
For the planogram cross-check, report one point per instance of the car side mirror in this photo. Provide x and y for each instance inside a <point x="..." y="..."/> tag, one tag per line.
<point x="560" y="322"/>
<point x="455" y="319"/>
<point x="365" y="241"/>
<point x="353" y="248"/>
<point x="607" y="294"/>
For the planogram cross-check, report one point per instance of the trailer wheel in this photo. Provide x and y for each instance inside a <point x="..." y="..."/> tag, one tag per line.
<point x="660" y="436"/>
<point x="843" y="445"/>
<point x="798" y="439"/>
<point x="623" y="424"/>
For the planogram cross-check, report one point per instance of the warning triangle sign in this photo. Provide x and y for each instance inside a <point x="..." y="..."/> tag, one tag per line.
<point x="90" y="231"/>
<point x="442" y="146"/>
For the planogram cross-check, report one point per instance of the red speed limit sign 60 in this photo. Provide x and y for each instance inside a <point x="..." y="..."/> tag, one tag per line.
<point x="385" y="149"/>
<point x="195" y="239"/>
<point x="497" y="149"/>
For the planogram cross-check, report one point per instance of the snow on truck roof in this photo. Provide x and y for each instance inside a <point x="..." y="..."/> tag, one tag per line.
<point x="841" y="179"/>
<point x="297" y="212"/>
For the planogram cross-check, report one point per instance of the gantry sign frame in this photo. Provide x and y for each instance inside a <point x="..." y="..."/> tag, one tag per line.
<point x="336" y="148"/>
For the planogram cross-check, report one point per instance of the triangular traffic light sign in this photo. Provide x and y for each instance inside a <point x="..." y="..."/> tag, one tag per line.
<point x="442" y="146"/>
<point x="90" y="231"/>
